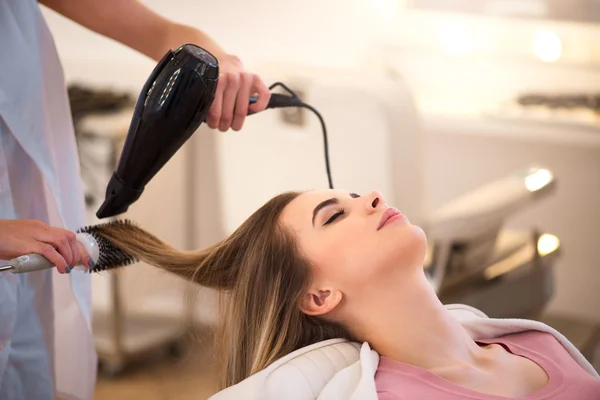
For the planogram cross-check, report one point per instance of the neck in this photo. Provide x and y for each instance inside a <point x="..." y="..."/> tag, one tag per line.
<point x="408" y="323"/>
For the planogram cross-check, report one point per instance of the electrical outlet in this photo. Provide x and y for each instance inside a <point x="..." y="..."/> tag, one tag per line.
<point x="294" y="115"/>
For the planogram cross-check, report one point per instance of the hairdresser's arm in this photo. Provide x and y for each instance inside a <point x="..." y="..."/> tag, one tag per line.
<point x="133" y="24"/>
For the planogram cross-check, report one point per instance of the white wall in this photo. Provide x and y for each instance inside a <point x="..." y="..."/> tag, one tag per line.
<point x="333" y="32"/>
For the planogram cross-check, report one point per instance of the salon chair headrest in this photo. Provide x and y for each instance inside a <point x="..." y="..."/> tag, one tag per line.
<point x="305" y="376"/>
<point x="300" y="375"/>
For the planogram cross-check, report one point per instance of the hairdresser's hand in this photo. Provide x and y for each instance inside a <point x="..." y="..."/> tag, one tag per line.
<point x="19" y="237"/>
<point x="236" y="85"/>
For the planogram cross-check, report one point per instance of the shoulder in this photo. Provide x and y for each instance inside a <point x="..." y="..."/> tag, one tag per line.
<point x="464" y="312"/>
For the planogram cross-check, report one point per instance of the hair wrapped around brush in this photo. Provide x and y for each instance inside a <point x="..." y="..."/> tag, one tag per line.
<point x="264" y="276"/>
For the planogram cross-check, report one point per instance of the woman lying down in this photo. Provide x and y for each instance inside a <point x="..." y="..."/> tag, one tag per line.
<point x="312" y="266"/>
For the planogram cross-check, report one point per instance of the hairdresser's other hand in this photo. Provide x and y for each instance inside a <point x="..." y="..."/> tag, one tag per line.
<point x="19" y="237"/>
<point x="236" y="85"/>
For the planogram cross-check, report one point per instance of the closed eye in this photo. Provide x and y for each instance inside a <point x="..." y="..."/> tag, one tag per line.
<point x="329" y="202"/>
<point x="335" y="216"/>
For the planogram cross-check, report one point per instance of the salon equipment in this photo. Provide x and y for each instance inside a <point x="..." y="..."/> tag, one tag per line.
<point x="173" y="103"/>
<point x="473" y="257"/>
<point x="108" y="255"/>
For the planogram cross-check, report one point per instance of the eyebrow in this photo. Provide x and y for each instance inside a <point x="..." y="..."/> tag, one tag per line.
<point x="321" y="206"/>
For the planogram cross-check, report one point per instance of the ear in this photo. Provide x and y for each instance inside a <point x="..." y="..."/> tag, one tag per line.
<point x="320" y="301"/>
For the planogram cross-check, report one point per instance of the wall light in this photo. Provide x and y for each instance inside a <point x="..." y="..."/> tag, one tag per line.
<point x="547" y="244"/>
<point x="547" y="46"/>
<point x="538" y="179"/>
<point x="456" y="39"/>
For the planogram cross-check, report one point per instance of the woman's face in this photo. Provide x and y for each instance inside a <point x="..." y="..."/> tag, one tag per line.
<point x="353" y="242"/>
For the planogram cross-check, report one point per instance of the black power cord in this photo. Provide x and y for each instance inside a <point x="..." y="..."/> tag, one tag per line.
<point x="293" y="100"/>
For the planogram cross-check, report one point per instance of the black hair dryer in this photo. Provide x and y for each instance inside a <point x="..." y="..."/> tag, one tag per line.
<point x="173" y="103"/>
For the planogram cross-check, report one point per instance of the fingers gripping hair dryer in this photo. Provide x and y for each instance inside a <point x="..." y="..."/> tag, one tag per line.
<point x="172" y="104"/>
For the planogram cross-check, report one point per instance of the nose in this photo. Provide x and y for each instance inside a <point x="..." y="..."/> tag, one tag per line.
<point x="374" y="201"/>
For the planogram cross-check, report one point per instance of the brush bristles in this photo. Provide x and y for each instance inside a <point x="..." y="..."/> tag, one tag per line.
<point x="111" y="256"/>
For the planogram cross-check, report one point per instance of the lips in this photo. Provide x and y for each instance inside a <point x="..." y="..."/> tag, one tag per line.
<point x="387" y="215"/>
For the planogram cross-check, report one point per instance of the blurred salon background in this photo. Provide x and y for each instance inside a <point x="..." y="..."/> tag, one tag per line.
<point x="440" y="104"/>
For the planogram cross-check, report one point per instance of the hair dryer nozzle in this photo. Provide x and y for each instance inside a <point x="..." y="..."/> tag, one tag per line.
<point x="118" y="198"/>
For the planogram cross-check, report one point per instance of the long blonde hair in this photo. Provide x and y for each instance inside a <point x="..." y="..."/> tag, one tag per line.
<point x="263" y="275"/>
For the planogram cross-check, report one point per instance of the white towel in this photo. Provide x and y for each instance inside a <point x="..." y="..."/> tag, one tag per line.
<point x="340" y="370"/>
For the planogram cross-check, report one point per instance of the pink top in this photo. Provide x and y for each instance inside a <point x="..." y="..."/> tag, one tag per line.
<point x="569" y="381"/>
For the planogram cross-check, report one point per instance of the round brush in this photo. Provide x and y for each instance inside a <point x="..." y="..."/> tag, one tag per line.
<point x="104" y="254"/>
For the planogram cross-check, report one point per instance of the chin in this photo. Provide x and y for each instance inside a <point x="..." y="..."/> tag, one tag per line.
<point x="419" y="234"/>
<point x="404" y="230"/>
<point x="420" y="243"/>
<point x="410" y="246"/>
